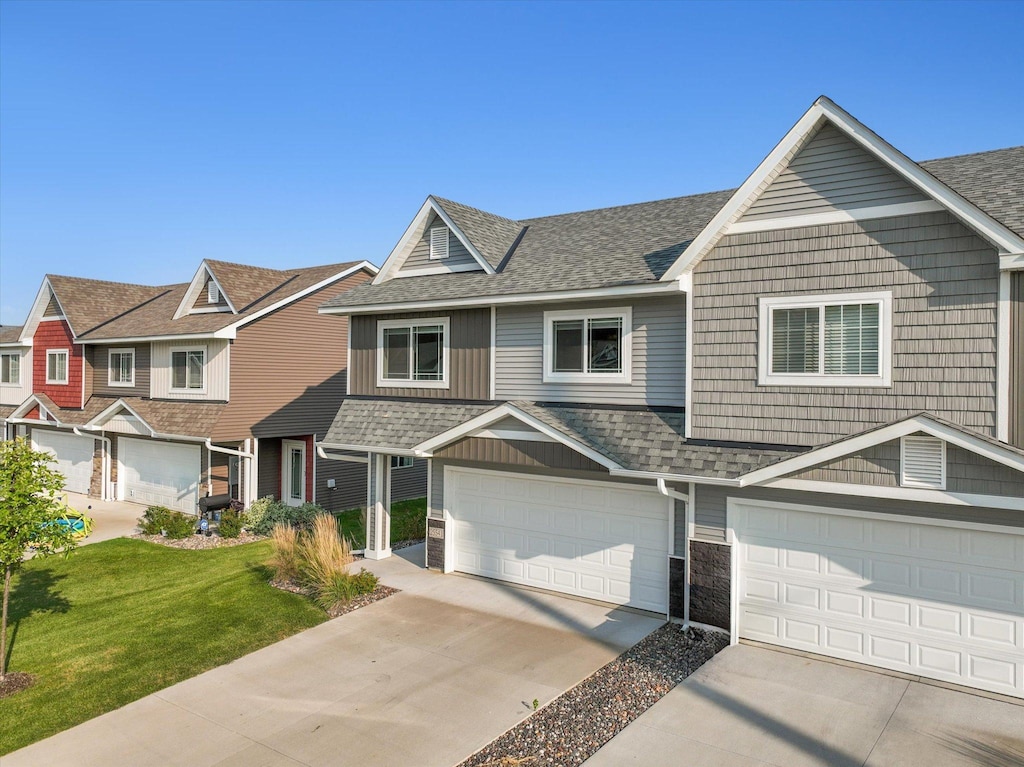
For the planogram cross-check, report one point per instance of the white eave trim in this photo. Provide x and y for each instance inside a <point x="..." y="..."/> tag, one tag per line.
<point x="97" y="421"/>
<point x="415" y="229"/>
<point x="879" y="436"/>
<point x="1011" y="262"/>
<point x="376" y="449"/>
<point x="648" y="289"/>
<point x="28" y="404"/>
<point x="141" y="339"/>
<point x="824" y="109"/>
<point x="900" y="493"/>
<point x="723" y="481"/>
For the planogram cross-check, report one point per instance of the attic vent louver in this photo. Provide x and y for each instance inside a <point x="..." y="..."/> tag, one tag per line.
<point x="438" y="242"/>
<point x="924" y="462"/>
<point x="212" y="294"/>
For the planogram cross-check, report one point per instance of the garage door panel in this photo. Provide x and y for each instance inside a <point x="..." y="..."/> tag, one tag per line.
<point x="74" y="456"/>
<point x="941" y="607"/>
<point x="160" y="473"/>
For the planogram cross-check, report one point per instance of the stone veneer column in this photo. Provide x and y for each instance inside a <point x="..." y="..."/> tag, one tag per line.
<point x="711" y="583"/>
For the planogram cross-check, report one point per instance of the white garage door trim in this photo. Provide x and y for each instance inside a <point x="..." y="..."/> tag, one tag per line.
<point x="181" y="463"/>
<point x="975" y="639"/>
<point x="74" y="456"/>
<point x="574" y="580"/>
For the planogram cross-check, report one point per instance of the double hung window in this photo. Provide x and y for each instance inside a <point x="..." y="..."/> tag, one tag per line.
<point x="57" y="366"/>
<point x="121" y="369"/>
<point x="10" y="368"/>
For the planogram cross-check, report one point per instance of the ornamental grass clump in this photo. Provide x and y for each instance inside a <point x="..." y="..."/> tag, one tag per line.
<point x="324" y="552"/>
<point x="285" y="561"/>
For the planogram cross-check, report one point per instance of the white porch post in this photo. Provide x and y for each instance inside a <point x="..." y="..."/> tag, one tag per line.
<point x="378" y="508"/>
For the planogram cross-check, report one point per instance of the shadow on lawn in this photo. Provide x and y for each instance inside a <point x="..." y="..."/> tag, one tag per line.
<point x="34" y="591"/>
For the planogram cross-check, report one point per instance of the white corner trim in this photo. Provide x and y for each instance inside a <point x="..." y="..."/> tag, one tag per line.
<point x="688" y="373"/>
<point x="836" y="217"/>
<point x="1003" y="356"/>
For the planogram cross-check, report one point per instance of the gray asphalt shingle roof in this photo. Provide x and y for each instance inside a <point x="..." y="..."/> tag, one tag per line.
<point x="395" y="424"/>
<point x="491" y="235"/>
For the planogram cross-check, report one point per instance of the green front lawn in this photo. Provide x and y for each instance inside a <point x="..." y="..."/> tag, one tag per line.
<point x="408" y="521"/>
<point x="124" y="618"/>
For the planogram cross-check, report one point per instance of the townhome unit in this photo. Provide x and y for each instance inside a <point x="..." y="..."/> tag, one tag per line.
<point x="792" y="410"/>
<point x="165" y="394"/>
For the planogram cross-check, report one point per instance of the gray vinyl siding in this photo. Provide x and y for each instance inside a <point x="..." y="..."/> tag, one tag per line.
<point x="658" y="359"/>
<point x="830" y="173"/>
<point x="99" y="358"/>
<point x="419" y="257"/>
<point x="349" y="491"/>
<point x="944" y="282"/>
<point x="469" y="356"/>
<point x="968" y="472"/>
<point x="52" y="307"/>
<point x="878" y="465"/>
<point x="410" y="482"/>
<point x="436" y="502"/>
<point x="518" y="454"/>
<point x="710" y="508"/>
<point x="679" y="533"/>
<point x="1017" y="359"/>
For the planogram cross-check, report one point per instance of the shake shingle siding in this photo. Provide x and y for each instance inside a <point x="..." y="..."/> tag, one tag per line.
<point x="877" y="465"/>
<point x="658" y="359"/>
<point x="968" y="472"/>
<point x="944" y="283"/>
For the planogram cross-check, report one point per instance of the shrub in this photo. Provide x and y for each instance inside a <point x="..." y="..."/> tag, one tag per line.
<point x="344" y="587"/>
<point x="152" y="520"/>
<point x="230" y="524"/>
<point x="253" y="518"/>
<point x="159" y="520"/>
<point x="286" y="560"/>
<point x="261" y="517"/>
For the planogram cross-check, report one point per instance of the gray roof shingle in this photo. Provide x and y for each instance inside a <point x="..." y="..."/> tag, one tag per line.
<point x="491" y="235"/>
<point x="394" y="424"/>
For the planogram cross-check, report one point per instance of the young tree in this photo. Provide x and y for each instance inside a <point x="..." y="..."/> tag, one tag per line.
<point x="32" y="515"/>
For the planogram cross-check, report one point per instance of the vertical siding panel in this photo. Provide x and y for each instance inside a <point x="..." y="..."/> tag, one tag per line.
<point x="99" y="358"/>
<point x="218" y="365"/>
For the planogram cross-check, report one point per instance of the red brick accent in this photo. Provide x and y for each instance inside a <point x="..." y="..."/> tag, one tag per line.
<point x="55" y="334"/>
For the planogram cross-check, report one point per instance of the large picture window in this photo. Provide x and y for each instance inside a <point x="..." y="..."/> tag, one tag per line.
<point x="838" y="340"/>
<point x="187" y="369"/>
<point x="588" y="346"/>
<point x="413" y="353"/>
<point x="57" y="366"/>
<point x="121" y="369"/>
<point x="10" y="368"/>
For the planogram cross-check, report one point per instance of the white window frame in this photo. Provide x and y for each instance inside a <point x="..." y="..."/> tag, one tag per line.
<point x="436" y="254"/>
<point x="212" y="292"/>
<point x="67" y="364"/>
<point x="904" y="482"/>
<point x="411" y="382"/>
<point x="170" y="359"/>
<point x="110" y="367"/>
<point x="622" y="313"/>
<point x="14" y="356"/>
<point x="401" y="462"/>
<point x="766" y="306"/>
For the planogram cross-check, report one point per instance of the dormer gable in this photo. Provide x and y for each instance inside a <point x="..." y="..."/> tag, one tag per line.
<point x="204" y="294"/>
<point x="46" y="307"/>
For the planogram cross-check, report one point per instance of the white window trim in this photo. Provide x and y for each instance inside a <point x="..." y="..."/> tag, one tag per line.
<point x="287" y="445"/>
<point x="170" y="367"/>
<point x="624" y="313"/>
<point x="904" y="482"/>
<point x="764" y="340"/>
<point x="411" y="383"/>
<point x="437" y="255"/>
<point x="18" y="356"/>
<point x="401" y="462"/>
<point x="110" y="367"/>
<point x="67" y="365"/>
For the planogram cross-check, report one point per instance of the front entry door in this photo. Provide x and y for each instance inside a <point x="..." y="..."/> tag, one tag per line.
<point x="293" y="472"/>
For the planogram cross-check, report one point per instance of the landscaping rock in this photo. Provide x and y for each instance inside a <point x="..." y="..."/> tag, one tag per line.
<point x="15" y="681"/>
<point x="199" y="542"/>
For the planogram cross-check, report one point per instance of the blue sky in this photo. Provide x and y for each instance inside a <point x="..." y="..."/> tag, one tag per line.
<point x="137" y="139"/>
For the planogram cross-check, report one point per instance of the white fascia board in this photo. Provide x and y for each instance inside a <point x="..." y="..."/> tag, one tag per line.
<point x="101" y="418"/>
<point x="620" y="291"/>
<point x="1011" y="262"/>
<point x="376" y="449"/>
<point x="222" y="333"/>
<point x="668" y="477"/>
<point x="25" y="406"/>
<point x="194" y="288"/>
<point x="232" y="329"/>
<point x="900" y="493"/>
<point x="878" y="437"/>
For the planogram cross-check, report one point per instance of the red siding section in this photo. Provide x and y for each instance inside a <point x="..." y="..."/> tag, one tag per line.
<point x="55" y="334"/>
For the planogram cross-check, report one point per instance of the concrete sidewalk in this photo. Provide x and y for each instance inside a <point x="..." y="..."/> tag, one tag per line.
<point x="111" y="519"/>
<point x="425" y="677"/>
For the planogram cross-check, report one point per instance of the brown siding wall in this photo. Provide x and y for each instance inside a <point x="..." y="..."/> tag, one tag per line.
<point x="1017" y="359"/>
<point x="518" y="453"/>
<point x="288" y="370"/>
<point x="98" y="358"/>
<point x="469" y="376"/>
<point x="944" y="281"/>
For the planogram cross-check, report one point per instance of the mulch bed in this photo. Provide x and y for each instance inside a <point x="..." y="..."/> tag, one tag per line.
<point x="200" y="542"/>
<point x="571" y="728"/>
<point x="16" y="681"/>
<point x="379" y="593"/>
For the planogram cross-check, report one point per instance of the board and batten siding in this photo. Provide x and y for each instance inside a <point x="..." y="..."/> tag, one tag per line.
<point x="419" y="256"/>
<point x="216" y="373"/>
<point x="1017" y="359"/>
<point x="15" y="394"/>
<point x="99" y="369"/>
<point x="711" y="500"/>
<point x="831" y="172"/>
<point x="469" y="355"/>
<point x="288" y="370"/>
<point x="944" y="283"/>
<point x="658" y="360"/>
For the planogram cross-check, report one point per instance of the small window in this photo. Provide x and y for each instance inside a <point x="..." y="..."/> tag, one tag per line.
<point x="57" y="366"/>
<point x="588" y="346"/>
<point x="438" y="242"/>
<point x="187" y="369"/>
<point x="401" y="461"/>
<point x="413" y="354"/>
<point x="840" y="340"/>
<point x="212" y="294"/>
<point x="121" y="368"/>
<point x="923" y="462"/>
<point x="10" y="368"/>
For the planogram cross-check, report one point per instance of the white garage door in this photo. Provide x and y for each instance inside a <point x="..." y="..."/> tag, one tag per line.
<point x="597" y="540"/>
<point x="159" y="473"/>
<point x="942" y="602"/>
<point x="74" y="456"/>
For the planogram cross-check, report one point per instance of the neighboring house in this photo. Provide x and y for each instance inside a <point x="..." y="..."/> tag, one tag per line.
<point x="791" y="410"/>
<point x="15" y="373"/>
<point x="162" y="395"/>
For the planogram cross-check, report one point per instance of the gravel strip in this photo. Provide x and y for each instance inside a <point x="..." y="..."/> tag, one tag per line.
<point x="199" y="542"/>
<point x="571" y="728"/>
<point x="379" y="593"/>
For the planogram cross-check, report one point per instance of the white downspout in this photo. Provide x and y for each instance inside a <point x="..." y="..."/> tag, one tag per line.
<point x="663" y="488"/>
<point x="104" y="462"/>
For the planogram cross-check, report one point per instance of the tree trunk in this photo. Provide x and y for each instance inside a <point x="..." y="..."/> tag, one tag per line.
<point x="3" y="624"/>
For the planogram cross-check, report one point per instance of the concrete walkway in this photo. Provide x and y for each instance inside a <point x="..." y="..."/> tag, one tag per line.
<point x="425" y="677"/>
<point x="111" y="519"/>
<point x="754" y="707"/>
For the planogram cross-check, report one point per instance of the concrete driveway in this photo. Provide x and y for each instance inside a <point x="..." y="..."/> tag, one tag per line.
<point x="425" y="677"/>
<point x="111" y="519"/>
<point x="751" y="706"/>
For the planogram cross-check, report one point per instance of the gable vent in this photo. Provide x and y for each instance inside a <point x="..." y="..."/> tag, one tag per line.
<point x="439" y="242"/>
<point x="924" y="462"/>
<point x="212" y="294"/>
